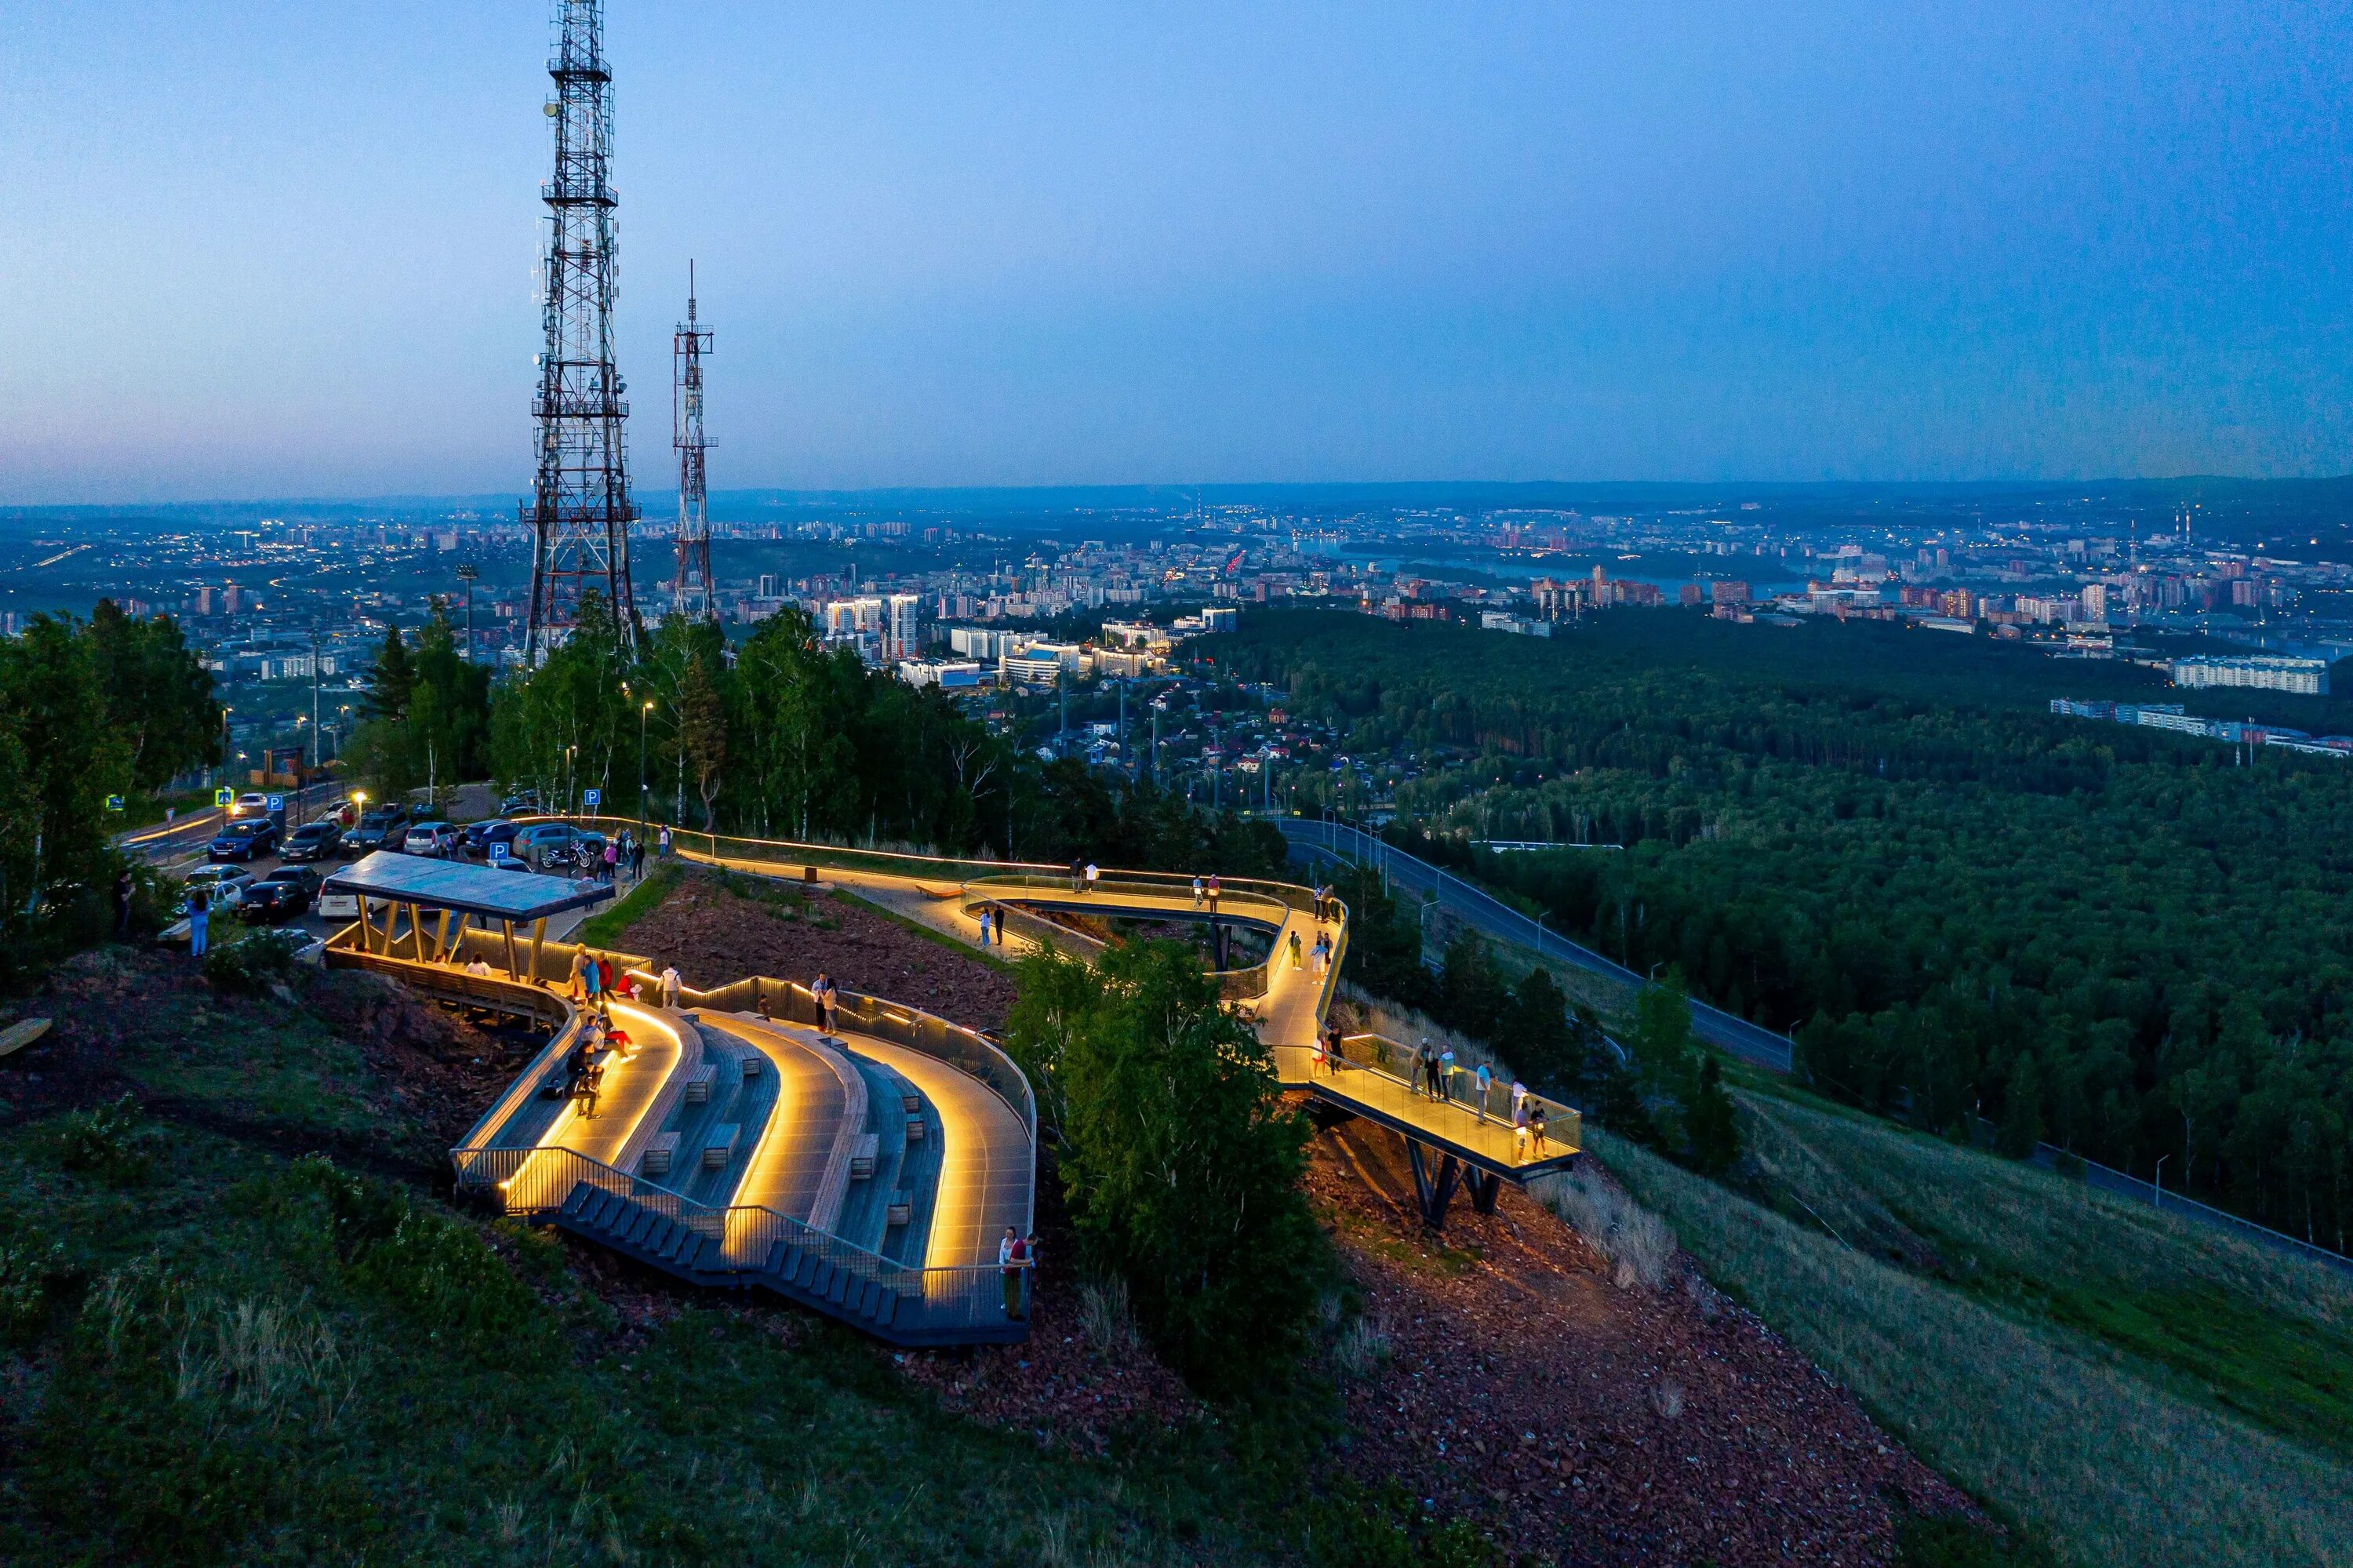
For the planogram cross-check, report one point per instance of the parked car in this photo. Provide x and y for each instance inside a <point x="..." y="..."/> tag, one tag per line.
<point x="223" y="886"/>
<point x="335" y="901"/>
<point x="522" y="802"/>
<point x="283" y="895"/>
<point x="312" y="840"/>
<point x="435" y="838"/>
<point x="379" y="827"/>
<point x="479" y="837"/>
<point x="243" y="839"/>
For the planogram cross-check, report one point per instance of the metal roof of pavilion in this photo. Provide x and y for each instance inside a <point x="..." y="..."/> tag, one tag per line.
<point x="468" y="889"/>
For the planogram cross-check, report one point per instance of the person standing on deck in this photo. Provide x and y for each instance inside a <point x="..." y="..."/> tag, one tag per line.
<point x="1012" y="1256"/>
<point x="1295" y="960"/>
<point x="670" y="986"/>
<point x="1519" y="1126"/>
<point x="1092" y="874"/>
<point x="577" y="982"/>
<point x="665" y="841"/>
<point x="984" y="927"/>
<point x="1486" y="1078"/>
<point x="1446" y="1073"/>
<point x="636" y="858"/>
<point x="1196" y="892"/>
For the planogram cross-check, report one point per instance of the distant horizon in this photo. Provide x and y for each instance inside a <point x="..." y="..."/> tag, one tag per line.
<point x="1485" y="492"/>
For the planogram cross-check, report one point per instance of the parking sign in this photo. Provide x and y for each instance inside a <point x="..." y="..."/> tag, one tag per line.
<point x="278" y="802"/>
<point x="592" y="799"/>
<point x="498" y="852"/>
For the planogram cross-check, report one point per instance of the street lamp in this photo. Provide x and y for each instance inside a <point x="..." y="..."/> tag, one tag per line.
<point x="642" y="715"/>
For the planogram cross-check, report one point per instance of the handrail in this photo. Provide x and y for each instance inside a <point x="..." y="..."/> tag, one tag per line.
<point x="1378" y="1054"/>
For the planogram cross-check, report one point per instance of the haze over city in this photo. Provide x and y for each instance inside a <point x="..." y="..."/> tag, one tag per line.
<point x="270" y="250"/>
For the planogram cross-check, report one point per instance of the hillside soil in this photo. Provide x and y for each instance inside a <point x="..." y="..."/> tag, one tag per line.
<point x="716" y="934"/>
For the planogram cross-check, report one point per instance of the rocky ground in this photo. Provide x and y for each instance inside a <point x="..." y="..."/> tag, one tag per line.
<point x="716" y="934"/>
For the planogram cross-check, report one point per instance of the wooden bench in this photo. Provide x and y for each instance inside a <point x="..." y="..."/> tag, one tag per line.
<point x="720" y="1148"/>
<point x="862" y="1152"/>
<point x="660" y="1153"/>
<point x="697" y="1084"/>
<point x="902" y="1209"/>
<point x="752" y="1061"/>
<point x="915" y="1129"/>
<point x="911" y="1103"/>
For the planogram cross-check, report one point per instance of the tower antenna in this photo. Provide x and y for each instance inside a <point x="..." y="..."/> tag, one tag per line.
<point x="579" y="512"/>
<point x="691" y="593"/>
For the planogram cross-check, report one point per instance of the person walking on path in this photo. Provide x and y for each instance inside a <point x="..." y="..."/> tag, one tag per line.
<point x="984" y="928"/>
<point x="612" y="859"/>
<point x="1519" y="1126"/>
<point x="199" y="912"/>
<point x="1425" y="1070"/>
<point x="124" y="886"/>
<point x="576" y="983"/>
<point x="636" y="858"/>
<point x="1486" y="1078"/>
<point x="1013" y="1257"/>
<point x="1295" y="960"/>
<point x="670" y="986"/>
<point x="592" y="981"/>
<point x="1078" y="875"/>
<point x="1537" y="1126"/>
<point x="1196" y="892"/>
<point x="1213" y="892"/>
<point x="665" y="841"/>
<point x="1092" y="874"/>
<point x="1446" y="1073"/>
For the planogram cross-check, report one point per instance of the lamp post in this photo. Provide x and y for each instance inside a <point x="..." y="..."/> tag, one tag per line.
<point x="2157" y="1199"/>
<point x="644" y="712"/>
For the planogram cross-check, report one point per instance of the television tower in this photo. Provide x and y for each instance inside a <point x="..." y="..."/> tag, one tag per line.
<point x="580" y="511"/>
<point x="691" y="593"/>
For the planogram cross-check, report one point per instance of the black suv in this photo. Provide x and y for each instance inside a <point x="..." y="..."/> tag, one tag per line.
<point x="312" y="840"/>
<point x="245" y="839"/>
<point x="281" y="895"/>
<point x="380" y="828"/>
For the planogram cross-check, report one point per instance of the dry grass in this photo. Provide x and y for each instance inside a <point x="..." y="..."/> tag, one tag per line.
<point x="1637" y="1240"/>
<point x="1107" y="1318"/>
<point x="2113" y="1469"/>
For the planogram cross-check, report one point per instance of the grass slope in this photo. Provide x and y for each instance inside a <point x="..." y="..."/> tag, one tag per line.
<point x="2060" y="1429"/>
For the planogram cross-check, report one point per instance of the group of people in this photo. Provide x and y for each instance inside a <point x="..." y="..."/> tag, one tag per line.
<point x="1317" y="958"/>
<point x="1434" y="1071"/>
<point x="629" y="851"/>
<point x="1084" y="875"/>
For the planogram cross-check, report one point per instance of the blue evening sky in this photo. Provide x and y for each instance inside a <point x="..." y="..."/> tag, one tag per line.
<point x="274" y="250"/>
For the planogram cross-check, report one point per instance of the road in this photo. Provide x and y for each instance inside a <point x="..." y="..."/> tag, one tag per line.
<point x="1312" y="839"/>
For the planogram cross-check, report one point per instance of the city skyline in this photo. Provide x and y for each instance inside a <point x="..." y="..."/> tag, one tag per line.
<point x="1052" y="249"/>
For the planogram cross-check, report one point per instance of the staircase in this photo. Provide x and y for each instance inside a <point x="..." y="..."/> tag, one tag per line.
<point x="799" y="1275"/>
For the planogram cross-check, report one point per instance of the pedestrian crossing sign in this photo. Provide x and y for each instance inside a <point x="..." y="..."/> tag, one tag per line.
<point x="224" y="796"/>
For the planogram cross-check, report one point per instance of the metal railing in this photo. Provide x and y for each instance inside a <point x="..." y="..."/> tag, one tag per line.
<point x="541" y="1181"/>
<point x="723" y="848"/>
<point x="1486" y="1124"/>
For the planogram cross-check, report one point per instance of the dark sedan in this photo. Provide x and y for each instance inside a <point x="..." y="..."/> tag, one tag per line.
<point x="312" y="840"/>
<point x="283" y="895"/>
<point x="248" y="837"/>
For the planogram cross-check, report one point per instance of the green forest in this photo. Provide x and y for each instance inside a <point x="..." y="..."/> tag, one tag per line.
<point x="2119" y="941"/>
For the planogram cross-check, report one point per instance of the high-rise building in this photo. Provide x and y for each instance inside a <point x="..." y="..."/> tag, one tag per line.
<point x="899" y="637"/>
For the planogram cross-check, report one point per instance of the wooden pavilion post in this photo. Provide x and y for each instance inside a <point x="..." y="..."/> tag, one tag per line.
<point x="507" y="929"/>
<point x="538" y="938"/>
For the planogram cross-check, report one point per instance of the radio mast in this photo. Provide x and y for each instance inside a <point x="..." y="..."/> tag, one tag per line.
<point x="580" y="511"/>
<point x="691" y="593"/>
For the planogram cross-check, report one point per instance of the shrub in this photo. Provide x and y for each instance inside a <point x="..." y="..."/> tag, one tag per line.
<point x="109" y="1142"/>
<point x="252" y="966"/>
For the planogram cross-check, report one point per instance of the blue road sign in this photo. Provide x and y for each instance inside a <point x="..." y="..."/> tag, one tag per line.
<point x="278" y="802"/>
<point x="114" y="802"/>
<point x="223" y="797"/>
<point x="498" y="852"/>
<point x="592" y="799"/>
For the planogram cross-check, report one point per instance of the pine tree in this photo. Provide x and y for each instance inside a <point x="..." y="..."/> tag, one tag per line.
<point x="1712" y="1122"/>
<point x="394" y="685"/>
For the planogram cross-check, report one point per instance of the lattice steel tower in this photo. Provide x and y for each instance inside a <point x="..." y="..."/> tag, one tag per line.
<point x="580" y="511"/>
<point x="691" y="593"/>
